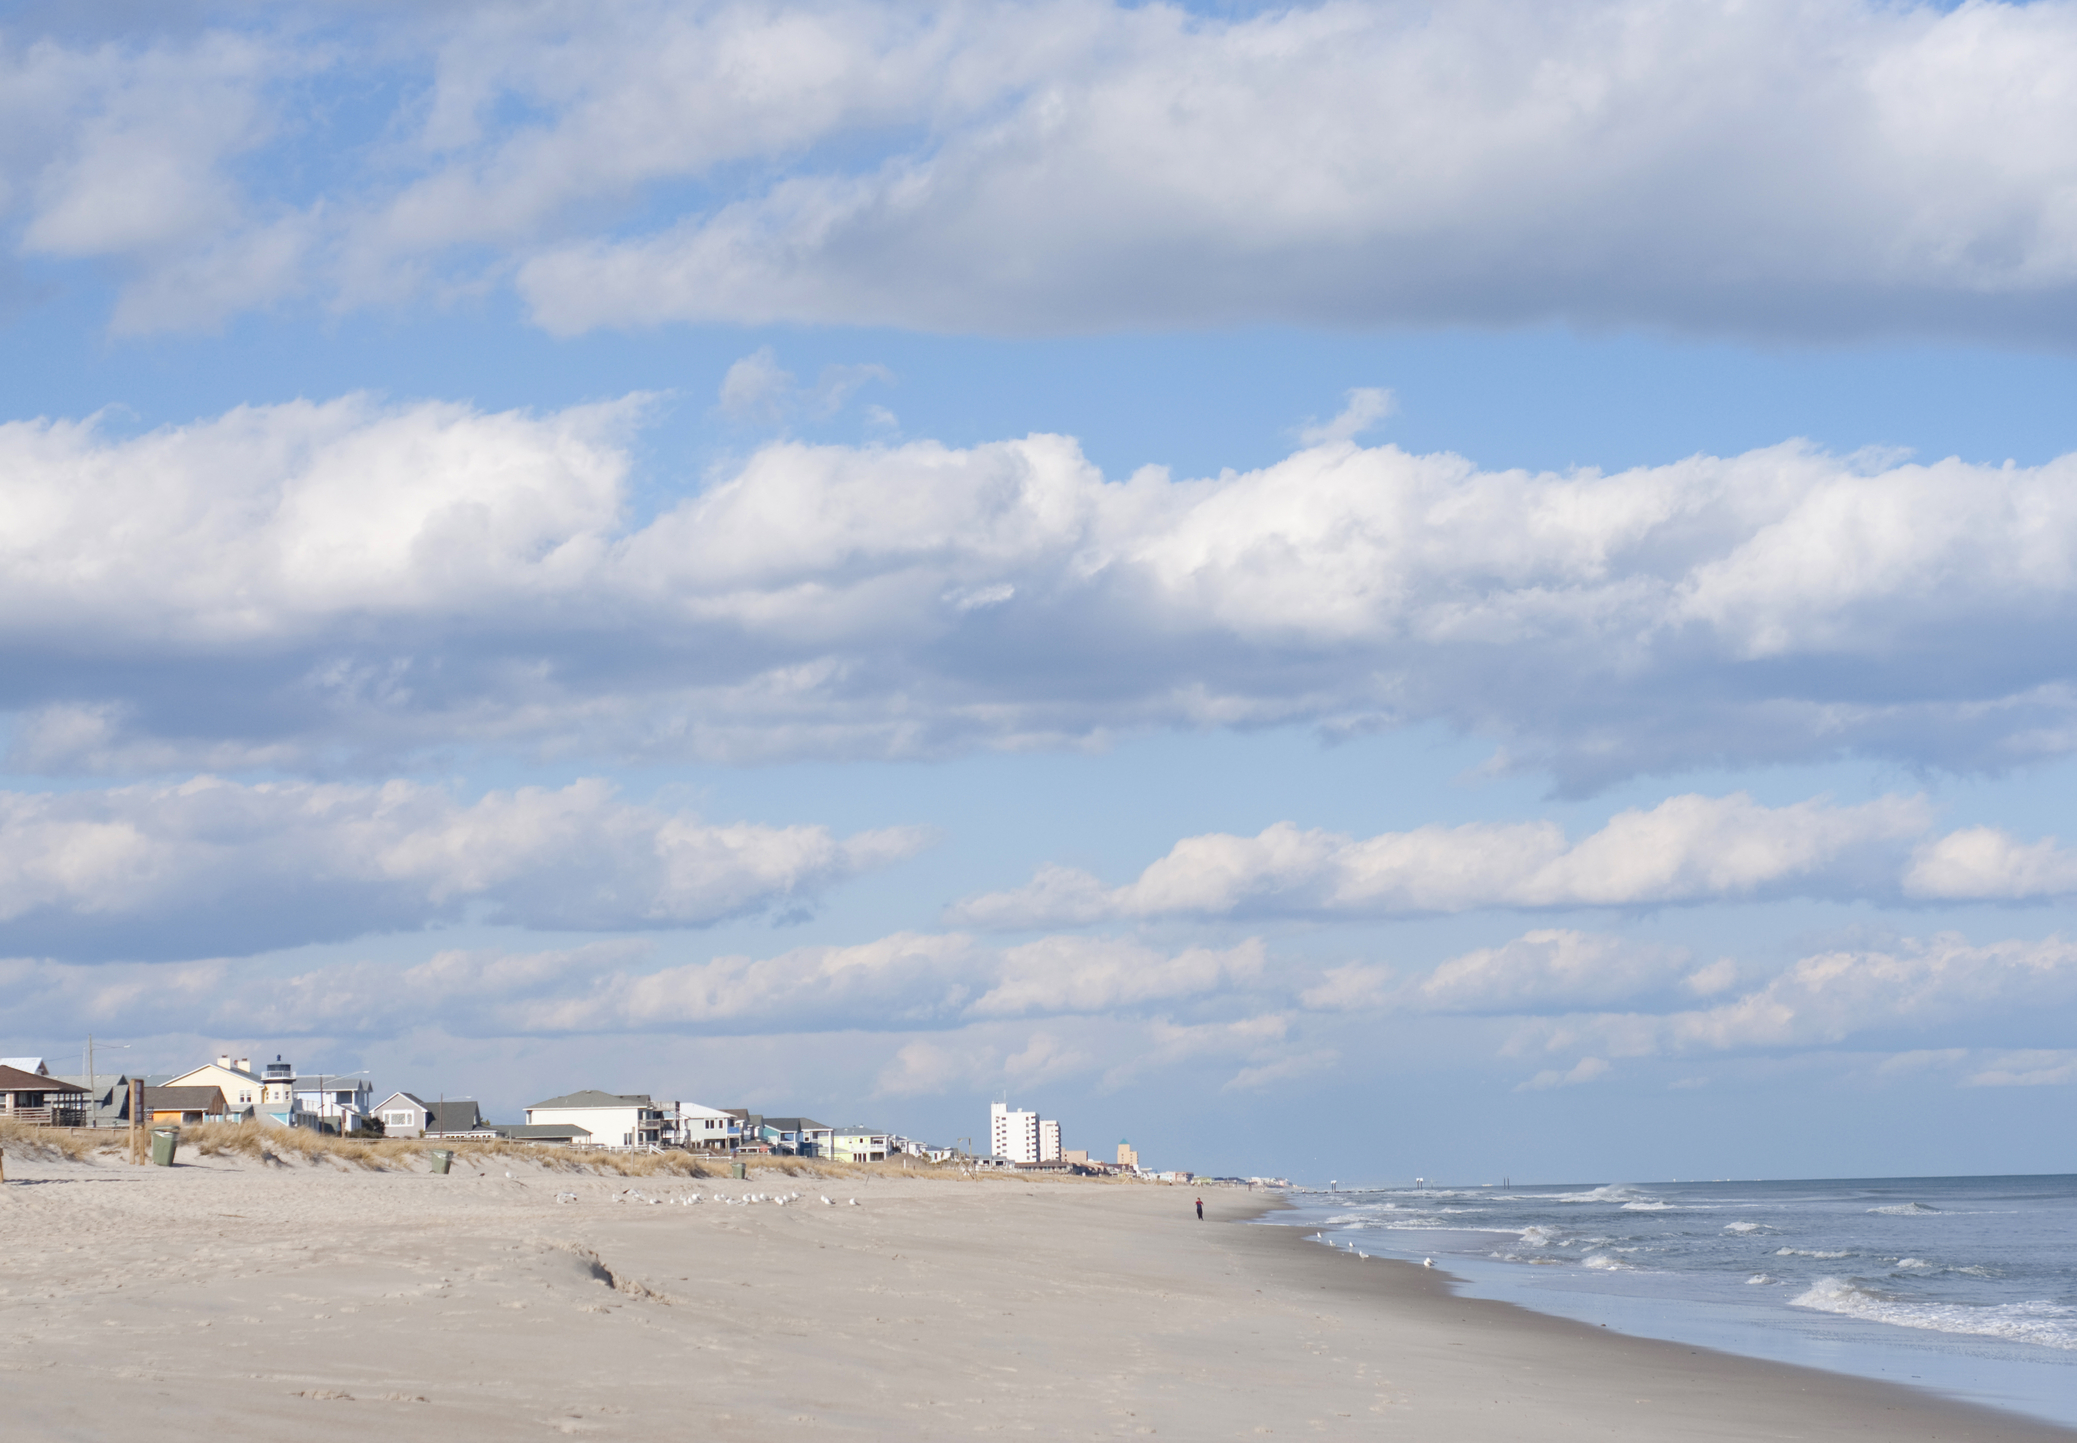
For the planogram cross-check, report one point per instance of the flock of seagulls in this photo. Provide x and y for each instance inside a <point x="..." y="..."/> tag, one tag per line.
<point x="636" y="1196"/>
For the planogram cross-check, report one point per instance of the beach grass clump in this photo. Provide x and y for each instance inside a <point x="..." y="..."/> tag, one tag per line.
<point x="24" y="1140"/>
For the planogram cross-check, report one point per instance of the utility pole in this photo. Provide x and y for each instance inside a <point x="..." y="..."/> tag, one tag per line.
<point x="93" y="1083"/>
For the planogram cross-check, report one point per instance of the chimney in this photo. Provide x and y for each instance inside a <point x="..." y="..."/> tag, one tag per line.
<point x="245" y="1064"/>
<point x="224" y="1060"/>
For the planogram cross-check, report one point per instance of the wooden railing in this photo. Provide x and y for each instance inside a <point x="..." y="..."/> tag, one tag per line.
<point x="46" y="1116"/>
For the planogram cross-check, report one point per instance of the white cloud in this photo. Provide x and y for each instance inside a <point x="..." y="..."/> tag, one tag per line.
<point x="1768" y="168"/>
<point x="1989" y="864"/>
<point x="756" y="387"/>
<point x="1939" y="983"/>
<point x="1537" y="969"/>
<point x="1585" y="1070"/>
<point x="900" y="982"/>
<point x="1686" y="849"/>
<point x="2038" y="1068"/>
<point x="1097" y="974"/>
<point x="208" y="864"/>
<point x="297" y="584"/>
<point x="1367" y="406"/>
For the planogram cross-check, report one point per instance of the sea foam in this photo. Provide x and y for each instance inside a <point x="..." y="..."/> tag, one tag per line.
<point x="2047" y="1324"/>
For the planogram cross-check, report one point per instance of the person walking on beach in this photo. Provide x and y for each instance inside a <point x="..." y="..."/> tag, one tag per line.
<point x="1200" y="1209"/>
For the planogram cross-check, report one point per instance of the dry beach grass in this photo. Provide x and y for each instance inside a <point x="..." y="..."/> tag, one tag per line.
<point x="527" y="1294"/>
<point x="278" y="1145"/>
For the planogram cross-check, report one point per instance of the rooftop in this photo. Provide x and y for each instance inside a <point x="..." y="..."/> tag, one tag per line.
<point x="592" y="1097"/>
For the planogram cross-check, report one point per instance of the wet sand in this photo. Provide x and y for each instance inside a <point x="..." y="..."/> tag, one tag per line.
<point x="231" y="1299"/>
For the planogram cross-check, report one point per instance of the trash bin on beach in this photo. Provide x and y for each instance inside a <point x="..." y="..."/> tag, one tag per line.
<point x="735" y="1169"/>
<point x="164" y="1141"/>
<point x="442" y="1157"/>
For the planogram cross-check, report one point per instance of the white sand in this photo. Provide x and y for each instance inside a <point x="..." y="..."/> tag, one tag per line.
<point x="226" y="1299"/>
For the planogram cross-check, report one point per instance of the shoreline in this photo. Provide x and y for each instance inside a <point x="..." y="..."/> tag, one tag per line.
<point x="227" y="1296"/>
<point x="1687" y="1385"/>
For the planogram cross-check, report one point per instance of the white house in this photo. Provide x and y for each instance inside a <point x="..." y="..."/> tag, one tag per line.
<point x="340" y="1104"/>
<point x="706" y="1129"/>
<point x="613" y="1119"/>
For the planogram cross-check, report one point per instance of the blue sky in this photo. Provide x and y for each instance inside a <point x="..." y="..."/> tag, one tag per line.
<point x="1357" y="590"/>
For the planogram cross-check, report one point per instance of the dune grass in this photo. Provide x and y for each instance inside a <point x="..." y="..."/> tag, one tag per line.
<point x="284" y="1145"/>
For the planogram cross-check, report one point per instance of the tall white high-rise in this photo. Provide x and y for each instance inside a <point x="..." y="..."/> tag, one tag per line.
<point x="1048" y="1140"/>
<point x="1013" y="1133"/>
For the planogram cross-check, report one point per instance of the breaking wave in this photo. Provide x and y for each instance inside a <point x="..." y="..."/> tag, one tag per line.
<point x="2047" y="1324"/>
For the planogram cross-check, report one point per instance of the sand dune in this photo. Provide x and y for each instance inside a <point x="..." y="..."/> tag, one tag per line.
<point x="229" y="1298"/>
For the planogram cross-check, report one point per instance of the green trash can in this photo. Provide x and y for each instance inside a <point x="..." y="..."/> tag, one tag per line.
<point x="164" y="1141"/>
<point x="441" y="1159"/>
<point x="735" y="1169"/>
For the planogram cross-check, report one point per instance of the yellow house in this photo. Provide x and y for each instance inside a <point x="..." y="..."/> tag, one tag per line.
<point x="244" y="1094"/>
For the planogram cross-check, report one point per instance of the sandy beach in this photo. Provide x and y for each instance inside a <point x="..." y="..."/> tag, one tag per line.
<point x="233" y="1298"/>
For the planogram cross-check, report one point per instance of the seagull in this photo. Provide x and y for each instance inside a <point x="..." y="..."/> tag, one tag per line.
<point x="1427" y="1262"/>
<point x="827" y="1203"/>
<point x="854" y="1202"/>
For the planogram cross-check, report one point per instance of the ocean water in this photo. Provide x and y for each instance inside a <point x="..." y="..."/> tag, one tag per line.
<point x="1963" y="1285"/>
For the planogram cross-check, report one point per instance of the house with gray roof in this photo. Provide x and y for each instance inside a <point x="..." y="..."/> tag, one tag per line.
<point x="613" y="1119"/>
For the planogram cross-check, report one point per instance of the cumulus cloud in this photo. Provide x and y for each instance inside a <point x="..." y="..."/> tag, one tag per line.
<point x="906" y="982"/>
<point x="1990" y="864"/>
<point x="1686" y="849"/>
<point x="213" y="865"/>
<point x="1942" y="982"/>
<point x="351" y="584"/>
<point x="1096" y="974"/>
<point x="1071" y="164"/>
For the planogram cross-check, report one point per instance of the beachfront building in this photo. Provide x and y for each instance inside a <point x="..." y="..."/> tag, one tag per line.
<point x="858" y="1144"/>
<point x="34" y="1066"/>
<point x="460" y="1117"/>
<point x="1020" y="1136"/>
<point x="406" y="1114"/>
<point x="1128" y="1155"/>
<point x="613" y="1119"/>
<point x="339" y="1104"/>
<point x="707" y="1129"/>
<point x="37" y="1097"/>
<point x="242" y="1088"/>
<point x="403" y="1114"/>
<point x="107" y="1099"/>
<point x="800" y="1136"/>
<point x="567" y="1134"/>
<point x="186" y="1104"/>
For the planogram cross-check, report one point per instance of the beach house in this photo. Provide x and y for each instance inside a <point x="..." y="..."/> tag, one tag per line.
<point x="340" y="1104"/>
<point x="801" y="1136"/>
<point x="403" y="1115"/>
<point x="40" y="1098"/>
<point x="612" y="1119"/>
<point x="241" y="1086"/>
<point x="406" y="1114"/>
<point x="185" y="1104"/>
<point x="707" y="1129"/>
<point x="107" y="1099"/>
<point x="858" y="1144"/>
